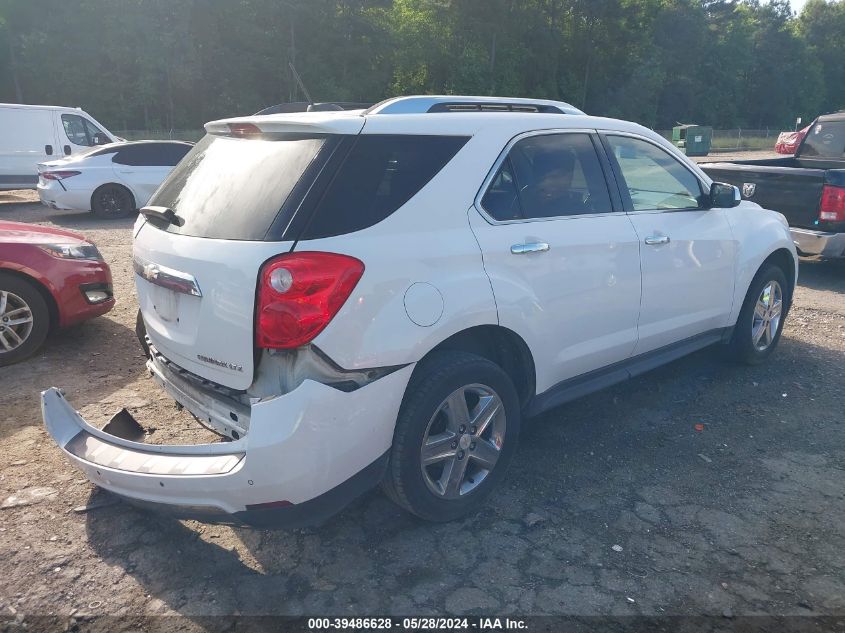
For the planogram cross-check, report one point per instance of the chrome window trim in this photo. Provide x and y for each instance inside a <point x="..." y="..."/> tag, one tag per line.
<point x="501" y="159"/>
<point x="702" y="184"/>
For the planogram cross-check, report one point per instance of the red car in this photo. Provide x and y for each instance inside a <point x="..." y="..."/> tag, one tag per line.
<point x="788" y="142"/>
<point x="49" y="278"/>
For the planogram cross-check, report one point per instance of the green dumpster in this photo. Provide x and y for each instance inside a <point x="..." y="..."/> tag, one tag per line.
<point x="693" y="140"/>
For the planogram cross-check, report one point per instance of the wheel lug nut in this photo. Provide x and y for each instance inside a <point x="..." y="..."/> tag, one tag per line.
<point x="472" y="446"/>
<point x="462" y="428"/>
<point x="473" y="430"/>
<point x="454" y="445"/>
<point x="461" y="454"/>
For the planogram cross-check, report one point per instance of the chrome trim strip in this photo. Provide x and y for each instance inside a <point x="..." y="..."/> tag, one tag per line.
<point x="174" y="280"/>
<point x="534" y="247"/>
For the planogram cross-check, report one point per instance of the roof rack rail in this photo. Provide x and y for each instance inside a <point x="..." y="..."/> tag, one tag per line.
<point x="451" y="103"/>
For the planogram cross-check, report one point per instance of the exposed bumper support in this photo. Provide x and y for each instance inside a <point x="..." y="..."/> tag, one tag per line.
<point x="819" y="243"/>
<point x="305" y="456"/>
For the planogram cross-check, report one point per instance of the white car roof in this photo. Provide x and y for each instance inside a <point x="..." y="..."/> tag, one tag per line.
<point x="26" y="106"/>
<point x="439" y="114"/>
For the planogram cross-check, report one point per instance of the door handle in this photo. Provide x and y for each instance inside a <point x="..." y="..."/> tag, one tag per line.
<point x="67" y="149"/>
<point x="653" y="240"/>
<point x="48" y="149"/>
<point x="532" y="247"/>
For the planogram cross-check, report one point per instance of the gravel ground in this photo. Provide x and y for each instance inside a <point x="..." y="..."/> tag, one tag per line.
<point x="615" y="504"/>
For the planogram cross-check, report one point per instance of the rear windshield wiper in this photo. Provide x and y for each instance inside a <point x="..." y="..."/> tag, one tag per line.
<point x="165" y="214"/>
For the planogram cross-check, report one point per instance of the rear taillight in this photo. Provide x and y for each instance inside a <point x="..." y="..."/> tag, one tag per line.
<point x="299" y="294"/>
<point x="832" y="208"/>
<point x="58" y="175"/>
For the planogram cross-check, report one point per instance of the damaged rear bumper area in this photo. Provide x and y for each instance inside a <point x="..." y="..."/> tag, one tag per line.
<point x="305" y="456"/>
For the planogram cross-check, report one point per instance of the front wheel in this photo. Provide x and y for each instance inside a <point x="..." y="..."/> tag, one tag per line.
<point x="455" y="436"/>
<point x="762" y="316"/>
<point x="24" y="319"/>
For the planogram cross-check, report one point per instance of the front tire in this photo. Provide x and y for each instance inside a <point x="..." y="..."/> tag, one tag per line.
<point x="762" y="316"/>
<point x="24" y="319"/>
<point x="112" y="201"/>
<point x="455" y="436"/>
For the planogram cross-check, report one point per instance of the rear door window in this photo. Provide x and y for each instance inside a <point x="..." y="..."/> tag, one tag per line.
<point x="548" y="176"/>
<point x="233" y="188"/>
<point x="380" y="174"/>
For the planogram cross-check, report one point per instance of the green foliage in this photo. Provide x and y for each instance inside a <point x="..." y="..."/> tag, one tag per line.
<point x="159" y="64"/>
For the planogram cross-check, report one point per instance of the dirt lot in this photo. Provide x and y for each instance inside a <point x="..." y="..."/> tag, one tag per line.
<point x="615" y="503"/>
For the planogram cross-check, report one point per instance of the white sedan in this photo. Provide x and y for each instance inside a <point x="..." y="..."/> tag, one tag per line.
<point x="111" y="180"/>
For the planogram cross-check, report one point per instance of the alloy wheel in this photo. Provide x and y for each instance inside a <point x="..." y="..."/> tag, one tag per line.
<point x="16" y="321"/>
<point x="463" y="441"/>
<point x="766" y="317"/>
<point x="113" y="201"/>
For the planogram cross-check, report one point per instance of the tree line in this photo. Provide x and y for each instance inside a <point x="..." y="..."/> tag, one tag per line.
<point x="163" y="64"/>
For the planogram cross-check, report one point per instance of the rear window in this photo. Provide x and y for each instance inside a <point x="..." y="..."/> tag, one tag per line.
<point x="380" y="174"/>
<point x="826" y="139"/>
<point x="231" y="188"/>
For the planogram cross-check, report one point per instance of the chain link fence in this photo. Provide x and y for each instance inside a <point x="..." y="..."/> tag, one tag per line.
<point x="161" y="135"/>
<point x="738" y="139"/>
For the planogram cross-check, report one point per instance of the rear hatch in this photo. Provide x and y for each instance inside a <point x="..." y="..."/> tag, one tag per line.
<point x="234" y="196"/>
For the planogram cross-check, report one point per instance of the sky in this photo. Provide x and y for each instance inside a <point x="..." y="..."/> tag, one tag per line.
<point x="797" y="5"/>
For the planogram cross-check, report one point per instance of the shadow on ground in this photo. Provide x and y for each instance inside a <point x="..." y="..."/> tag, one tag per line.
<point x="615" y="504"/>
<point x="820" y="274"/>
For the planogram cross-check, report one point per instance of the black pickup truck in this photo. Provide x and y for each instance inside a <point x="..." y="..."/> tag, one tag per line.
<point x="808" y="188"/>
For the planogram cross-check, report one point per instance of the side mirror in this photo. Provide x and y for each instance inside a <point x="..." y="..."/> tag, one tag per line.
<point x="724" y="196"/>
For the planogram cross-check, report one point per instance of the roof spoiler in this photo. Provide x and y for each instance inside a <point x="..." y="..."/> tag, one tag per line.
<point x="304" y="106"/>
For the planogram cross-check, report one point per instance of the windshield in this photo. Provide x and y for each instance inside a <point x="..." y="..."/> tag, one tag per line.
<point x="232" y="188"/>
<point x="826" y="139"/>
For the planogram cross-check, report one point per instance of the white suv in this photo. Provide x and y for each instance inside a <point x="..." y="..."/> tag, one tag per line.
<point x="383" y="295"/>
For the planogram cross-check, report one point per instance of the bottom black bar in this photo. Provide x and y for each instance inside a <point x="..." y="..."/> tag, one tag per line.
<point x="485" y="624"/>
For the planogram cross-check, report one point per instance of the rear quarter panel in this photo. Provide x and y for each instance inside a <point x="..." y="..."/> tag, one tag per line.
<point x="427" y="241"/>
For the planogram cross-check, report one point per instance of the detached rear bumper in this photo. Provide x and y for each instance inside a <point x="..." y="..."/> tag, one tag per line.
<point x="810" y="242"/>
<point x="306" y="455"/>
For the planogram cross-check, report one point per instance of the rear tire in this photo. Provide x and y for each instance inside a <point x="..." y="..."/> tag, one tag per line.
<point x="760" y="322"/>
<point x="112" y="201"/>
<point x="463" y="412"/>
<point x="24" y="319"/>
